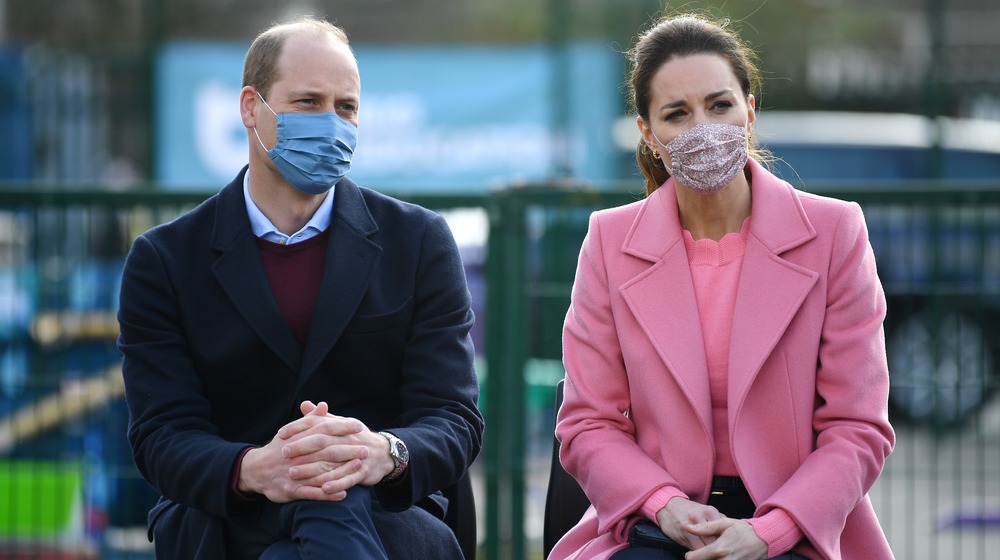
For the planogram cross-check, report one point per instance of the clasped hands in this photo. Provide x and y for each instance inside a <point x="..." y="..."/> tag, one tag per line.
<point x="317" y="457"/>
<point x="708" y="533"/>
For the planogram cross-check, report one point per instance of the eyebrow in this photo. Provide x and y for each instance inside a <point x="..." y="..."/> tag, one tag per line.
<point x="297" y="93"/>
<point x="709" y="97"/>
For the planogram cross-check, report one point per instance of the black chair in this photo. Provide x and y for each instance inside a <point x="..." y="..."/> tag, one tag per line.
<point x="461" y="516"/>
<point x="565" y="502"/>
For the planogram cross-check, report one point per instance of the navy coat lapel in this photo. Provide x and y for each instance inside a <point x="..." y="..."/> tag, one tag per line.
<point x="240" y="272"/>
<point x="351" y="261"/>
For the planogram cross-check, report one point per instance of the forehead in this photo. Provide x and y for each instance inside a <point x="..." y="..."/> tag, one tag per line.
<point x="317" y="62"/>
<point x="695" y="74"/>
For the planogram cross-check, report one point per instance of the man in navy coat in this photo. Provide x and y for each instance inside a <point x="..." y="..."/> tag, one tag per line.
<point x="297" y="359"/>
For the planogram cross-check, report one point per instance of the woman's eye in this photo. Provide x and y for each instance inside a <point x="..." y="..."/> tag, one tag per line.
<point x="674" y="116"/>
<point x="723" y="105"/>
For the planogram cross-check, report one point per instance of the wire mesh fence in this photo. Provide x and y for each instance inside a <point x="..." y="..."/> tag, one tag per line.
<point x="69" y="489"/>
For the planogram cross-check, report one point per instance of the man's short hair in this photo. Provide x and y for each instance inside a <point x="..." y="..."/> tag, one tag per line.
<point x="260" y="67"/>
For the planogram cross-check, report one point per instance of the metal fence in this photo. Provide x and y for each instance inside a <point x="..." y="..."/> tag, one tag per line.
<point x="68" y="488"/>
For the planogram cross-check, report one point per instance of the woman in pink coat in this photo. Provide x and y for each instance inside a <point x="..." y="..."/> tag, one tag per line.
<point x="726" y="380"/>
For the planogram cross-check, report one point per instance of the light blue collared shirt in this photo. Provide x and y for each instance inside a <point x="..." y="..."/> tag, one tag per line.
<point x="263" y="228"/>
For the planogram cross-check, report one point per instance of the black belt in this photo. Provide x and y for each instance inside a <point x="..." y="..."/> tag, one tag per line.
<point x="727" y="484"/>
<point x="731" y="498"/>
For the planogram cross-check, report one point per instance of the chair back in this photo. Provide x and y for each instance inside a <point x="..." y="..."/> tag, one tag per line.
<point x="461" y="516"/>
<point x="565" y="502"/>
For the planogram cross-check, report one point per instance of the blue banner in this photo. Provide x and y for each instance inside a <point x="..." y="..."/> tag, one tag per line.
<point x="432" y="118"/>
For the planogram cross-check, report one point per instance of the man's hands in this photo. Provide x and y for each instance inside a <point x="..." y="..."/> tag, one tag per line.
<point x="708" y="533"/>
<point x="317" y="457"/>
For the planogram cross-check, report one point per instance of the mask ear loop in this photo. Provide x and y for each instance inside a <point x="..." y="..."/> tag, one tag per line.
<point x="656" y="153"/>
<point x="657" y="138"/>
<point x="275" y="116"/>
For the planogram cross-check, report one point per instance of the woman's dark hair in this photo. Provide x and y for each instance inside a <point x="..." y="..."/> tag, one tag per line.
<point x="676" y="36"/>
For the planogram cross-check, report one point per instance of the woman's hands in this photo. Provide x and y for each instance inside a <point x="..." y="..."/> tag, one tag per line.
<point x="708" y="533"/>
<point x="679" y="514"/>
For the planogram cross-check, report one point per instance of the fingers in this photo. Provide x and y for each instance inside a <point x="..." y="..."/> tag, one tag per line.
<point x="311" y="465"/>
<point x="332" y="491"/>
<point x="711" y="528"/>
<point x="316" y="418"/>
<point x="680" y="513"/>
<point x="264" y="471"/>
<point x="333" y="480"/>
<point x="307" y="407"/>
<point x="318" y="456"/>
<point x="319" y="473"/>
<point x="324" y="443"/>
<point x="704" y="533"/>
<point x="737" y="541"/>
<point x="341" y="485"/>
<point x="315" y="481"/>
<point x="684" y="511"/>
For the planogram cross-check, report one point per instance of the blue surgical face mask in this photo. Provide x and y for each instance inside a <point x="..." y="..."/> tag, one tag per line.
<point x="314" y="150"/>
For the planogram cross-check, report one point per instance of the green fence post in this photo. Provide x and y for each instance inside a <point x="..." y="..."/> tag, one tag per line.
<point x="504" y="449"/>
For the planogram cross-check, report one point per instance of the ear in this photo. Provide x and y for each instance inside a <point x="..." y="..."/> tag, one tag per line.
<point x="646" y="132"/>
<point x="751" y="111"/>
<point x="248" y="102"/>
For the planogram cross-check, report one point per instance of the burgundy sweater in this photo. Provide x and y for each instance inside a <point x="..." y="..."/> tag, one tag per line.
<point x="295" y="273"/>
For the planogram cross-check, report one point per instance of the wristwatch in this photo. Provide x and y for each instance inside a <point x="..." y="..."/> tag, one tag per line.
<point x="400" y="456"/>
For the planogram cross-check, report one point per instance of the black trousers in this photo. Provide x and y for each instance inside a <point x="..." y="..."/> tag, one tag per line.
<point x="645" y="553"/>
<point x="731" y="498"/>
<point x="355" y="528"/>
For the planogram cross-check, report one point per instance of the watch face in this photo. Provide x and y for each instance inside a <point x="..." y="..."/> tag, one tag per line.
<point x="400" y="452"/>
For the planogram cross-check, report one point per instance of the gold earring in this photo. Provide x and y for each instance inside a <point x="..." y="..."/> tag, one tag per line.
<point x="656" y="154"/>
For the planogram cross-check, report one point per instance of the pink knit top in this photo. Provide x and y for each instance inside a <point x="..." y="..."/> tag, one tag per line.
<point x="715" y="271"/>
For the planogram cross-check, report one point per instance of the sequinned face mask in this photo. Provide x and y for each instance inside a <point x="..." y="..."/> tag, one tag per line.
<point x="314" y="150"/>
<point x="708" y="156"/>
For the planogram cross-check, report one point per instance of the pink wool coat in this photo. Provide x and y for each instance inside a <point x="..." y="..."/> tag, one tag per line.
<point x="808" y="381"/>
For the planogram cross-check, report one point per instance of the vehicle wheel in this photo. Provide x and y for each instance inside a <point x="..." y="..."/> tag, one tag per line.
<point x="939" y="374"/>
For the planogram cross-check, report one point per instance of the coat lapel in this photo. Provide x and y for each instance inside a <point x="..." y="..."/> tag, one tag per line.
<point x="662" y="298"/>
<point x="663" y="301"/>
<point x="240" y="272"/>
<point x="351" y="260"/>
<point x="763" y="313"/>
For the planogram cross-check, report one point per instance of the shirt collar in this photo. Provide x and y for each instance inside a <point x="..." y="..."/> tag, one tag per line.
<point x="263" y="228"/>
